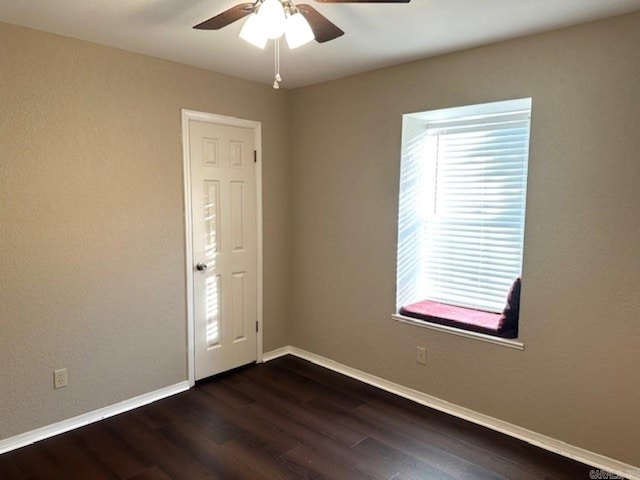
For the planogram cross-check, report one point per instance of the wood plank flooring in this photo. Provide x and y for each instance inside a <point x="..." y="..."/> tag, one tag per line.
<point x="287" y="419"/>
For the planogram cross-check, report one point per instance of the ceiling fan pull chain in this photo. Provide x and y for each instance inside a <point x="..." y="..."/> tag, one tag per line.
<point x="278" y="78"/>
<point x="276" y="48"/>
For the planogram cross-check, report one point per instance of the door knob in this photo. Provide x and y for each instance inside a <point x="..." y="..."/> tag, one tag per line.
<point x="201" y="267"/>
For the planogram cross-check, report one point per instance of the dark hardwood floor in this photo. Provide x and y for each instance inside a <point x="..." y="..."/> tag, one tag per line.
<point x="287" y="419"/>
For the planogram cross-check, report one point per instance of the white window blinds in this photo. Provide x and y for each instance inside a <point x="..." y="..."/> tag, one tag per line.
<point x="462" y="205"/>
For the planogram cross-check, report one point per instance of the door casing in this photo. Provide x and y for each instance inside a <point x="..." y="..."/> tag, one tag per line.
<point x="187" y="116"/>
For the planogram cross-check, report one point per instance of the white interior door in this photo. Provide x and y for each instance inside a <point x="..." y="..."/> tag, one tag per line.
<point x="224" y="219"/>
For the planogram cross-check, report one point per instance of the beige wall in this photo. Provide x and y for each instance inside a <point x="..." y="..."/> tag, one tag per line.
<point x="578" y="379"/>
<point x="91" y="220"/>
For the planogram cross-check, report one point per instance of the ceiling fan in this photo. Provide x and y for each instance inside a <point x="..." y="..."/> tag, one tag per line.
<point x="323" y="29"/>
<point x="271" y="19"/>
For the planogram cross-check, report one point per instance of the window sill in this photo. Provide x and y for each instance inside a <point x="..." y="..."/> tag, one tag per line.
<point x="505" y="342"/>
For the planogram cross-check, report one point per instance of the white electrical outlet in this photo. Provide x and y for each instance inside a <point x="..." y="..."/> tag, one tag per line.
<point x="60" y="378"/>
<point x="421" y="357"/>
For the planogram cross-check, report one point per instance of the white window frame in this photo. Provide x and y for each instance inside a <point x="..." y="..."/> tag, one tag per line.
<point x="415" y="126"/>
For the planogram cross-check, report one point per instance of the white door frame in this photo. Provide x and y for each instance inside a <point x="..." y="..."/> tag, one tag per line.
<point x="188" y="115"/>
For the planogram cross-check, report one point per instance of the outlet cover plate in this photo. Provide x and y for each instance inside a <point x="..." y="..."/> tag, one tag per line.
<point x="421" y="356"/>
<point x="60" y="378"/>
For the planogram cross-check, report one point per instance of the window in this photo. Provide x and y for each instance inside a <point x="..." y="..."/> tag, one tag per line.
<point x="461" y="215"/>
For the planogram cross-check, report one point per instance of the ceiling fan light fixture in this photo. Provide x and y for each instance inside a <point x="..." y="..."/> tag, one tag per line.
<point x="253" y="32"/>
<point x="272" y="18"/>
<point x="297" y="31"/>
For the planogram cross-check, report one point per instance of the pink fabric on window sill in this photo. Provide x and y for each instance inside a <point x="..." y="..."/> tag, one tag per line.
<point x="459" y="317"/>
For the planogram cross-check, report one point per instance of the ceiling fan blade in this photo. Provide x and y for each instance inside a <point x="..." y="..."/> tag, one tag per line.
<point x="322" y="28"/>
<point x="227" y="17"/>
<point x="363" y="1"/>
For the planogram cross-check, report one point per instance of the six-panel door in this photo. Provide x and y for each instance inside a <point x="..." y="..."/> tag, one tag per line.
<point x="223" y="187"/>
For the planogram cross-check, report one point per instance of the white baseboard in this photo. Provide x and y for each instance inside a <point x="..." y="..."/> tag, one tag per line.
<point x="551" y="444"/>
<point x="278" y="352"/>
<point x="33" y="436"/>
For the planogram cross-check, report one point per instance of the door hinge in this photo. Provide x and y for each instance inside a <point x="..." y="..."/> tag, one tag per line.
<point x="256" y="325"/>
<point x="255" y="156"/>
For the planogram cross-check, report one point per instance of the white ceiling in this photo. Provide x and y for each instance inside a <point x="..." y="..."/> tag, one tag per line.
<point x="377" y="35"/>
